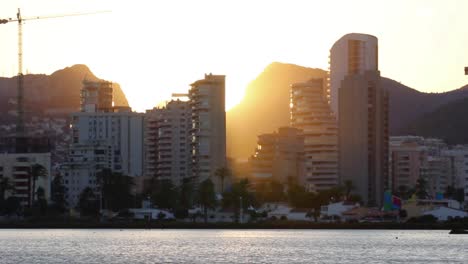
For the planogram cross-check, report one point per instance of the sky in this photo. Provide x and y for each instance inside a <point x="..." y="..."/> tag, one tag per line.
<point x="155" y="48"/>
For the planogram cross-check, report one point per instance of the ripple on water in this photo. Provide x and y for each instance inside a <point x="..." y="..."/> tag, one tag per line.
<point x="231" y="246"/>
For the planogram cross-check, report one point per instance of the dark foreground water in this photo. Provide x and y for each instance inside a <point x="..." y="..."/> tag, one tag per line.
<point x="231" y="246"/>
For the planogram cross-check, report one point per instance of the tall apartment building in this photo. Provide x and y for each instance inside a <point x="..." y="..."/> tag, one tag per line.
<point x="17" y="167"/>
<point x="459" y="160"/>
<point x="363" y="135"/>
<point x="311" y="113"/>
<point x="167" y="142"/>
<point x="407" y="160"/>
<point x="438" y="174"/>
<point x="279" y="156"/>
<point x="102" y="137"/>
<point x="352" y="54"/>
<point x="80" y="170"/>
<point x="208" y="132"/>
<point x="415" y="157"/>
<point x="120" y="131"/>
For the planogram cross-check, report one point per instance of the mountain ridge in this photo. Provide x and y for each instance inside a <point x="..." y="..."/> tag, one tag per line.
<point x="263" y="111"/>
<point x="59" y="91"/>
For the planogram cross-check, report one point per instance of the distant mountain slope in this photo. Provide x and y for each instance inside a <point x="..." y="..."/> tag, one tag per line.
<point x="407" y="104"/>
<point x="60" y="90"/>
<point x="266" y="105"/>
<point x="448" y="122"/>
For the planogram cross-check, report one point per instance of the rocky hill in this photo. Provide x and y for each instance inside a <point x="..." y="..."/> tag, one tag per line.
<point x="55" y="93"/>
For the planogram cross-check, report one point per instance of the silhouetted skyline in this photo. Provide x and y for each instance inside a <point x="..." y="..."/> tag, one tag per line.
<point x="157" y="48"/>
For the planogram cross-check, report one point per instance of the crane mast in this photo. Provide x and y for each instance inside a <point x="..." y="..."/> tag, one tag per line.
<point x="19" y="101"/>
<point x="20" y="129"/>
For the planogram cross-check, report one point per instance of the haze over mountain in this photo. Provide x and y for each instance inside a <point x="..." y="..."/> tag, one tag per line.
<point x="265" y="107"/>
<point x="58" y="92"/>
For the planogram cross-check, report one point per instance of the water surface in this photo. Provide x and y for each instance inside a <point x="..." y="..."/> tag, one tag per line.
<point x="231" y="246"/>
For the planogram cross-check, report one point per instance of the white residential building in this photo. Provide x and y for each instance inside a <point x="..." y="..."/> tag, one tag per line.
<point x="84" y="162"/>
<point x="459" y="159"/>
<point x="168" y="142"/>
<point x="120" y="131"/>
<point x="336" y="209"/>
<point x="103" y="136"/>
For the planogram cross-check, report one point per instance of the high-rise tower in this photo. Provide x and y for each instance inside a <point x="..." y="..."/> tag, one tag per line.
<point x="207" y="99"/>
<point x="352" y="54"/>
<point x="311" y="113"/>
<point x="363" y="135"/>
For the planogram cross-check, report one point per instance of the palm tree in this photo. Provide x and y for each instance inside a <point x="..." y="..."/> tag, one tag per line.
<point x="206" y="197"/>
<point x="116" y="189"/>
<point x="37" y="171"/>
<point x="222" y="173"/>
<point x="421" y="188"/>
<point x="5" y="185"/>
<point x="348" y="187"/>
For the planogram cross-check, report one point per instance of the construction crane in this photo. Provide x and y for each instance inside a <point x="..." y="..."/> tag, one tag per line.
<point x="20" y="108"/>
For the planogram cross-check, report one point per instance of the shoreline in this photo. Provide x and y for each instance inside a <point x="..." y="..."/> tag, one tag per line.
<point x="262" y="225"/>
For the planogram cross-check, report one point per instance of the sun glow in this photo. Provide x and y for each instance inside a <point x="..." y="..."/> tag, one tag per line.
<point x="155" y="48"/>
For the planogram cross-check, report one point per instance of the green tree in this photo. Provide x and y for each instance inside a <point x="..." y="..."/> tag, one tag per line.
<point x="58" y="194"/>
<point x="11" y="206"/>
<point x="88" y="203"/>
<point x="404" y="192"/>
<point x="164" y="194"/>
<point x="185" y="198"/>
<point x="421" y="188"/>
<point x="37" y="171"/>
<point x="41" y="201"/>
<point x="5" y="186"/>
<point x="239" y="194"/>
<point x="454" y="193"/>
<point x="298" y="196"/>
<point x="348" y="187"/>
<point x="116" y="190"/>
<point x="222" y="173"/>
<point x="206" y="197"/>
<point x="270" y="191"/>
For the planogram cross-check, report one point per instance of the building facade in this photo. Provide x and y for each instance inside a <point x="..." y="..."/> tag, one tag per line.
<point x="311" y="113"/>
<point x="459" y="158"/>
<point x="96" y="96"/>
<point x="208" y="131"/>
<point x="18" y="169"/>
<point x="352" y="54"/>
<point x="279" y="157"/>
<point x="167" y="142"/>
<point x="363" y="135"/>
<point x="103" y="137"/>
<point x="407" y="160"/>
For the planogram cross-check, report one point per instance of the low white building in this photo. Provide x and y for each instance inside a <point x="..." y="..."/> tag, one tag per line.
<point x="336" y="209"/>
<point x="150" y="213"/>
<point x="445" y="213"/>
<point x="283" y="211"/>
